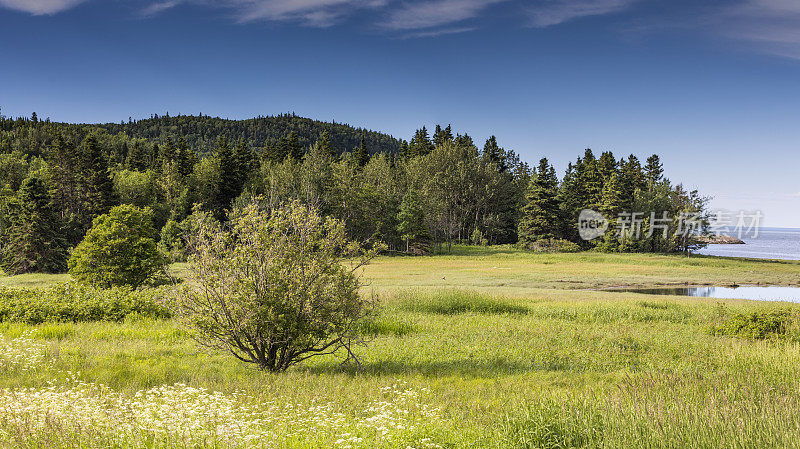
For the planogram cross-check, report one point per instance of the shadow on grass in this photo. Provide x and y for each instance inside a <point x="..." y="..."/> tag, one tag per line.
<point x="484" y="368"/>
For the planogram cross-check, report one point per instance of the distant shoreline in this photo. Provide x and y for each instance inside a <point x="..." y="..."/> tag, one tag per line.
<point x="719" y="240"/>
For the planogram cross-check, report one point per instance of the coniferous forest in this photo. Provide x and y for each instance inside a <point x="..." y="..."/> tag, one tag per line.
<point x="417" y="196"/>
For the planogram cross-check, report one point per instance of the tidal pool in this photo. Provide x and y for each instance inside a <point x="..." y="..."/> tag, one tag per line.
<point x="789" y="294"/>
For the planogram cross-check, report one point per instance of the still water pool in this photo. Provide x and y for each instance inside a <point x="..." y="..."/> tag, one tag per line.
<point x="789" y="294"/>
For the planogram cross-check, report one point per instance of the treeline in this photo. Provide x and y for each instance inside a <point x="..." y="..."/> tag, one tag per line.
<point x="432" y="191"/>
<point x="200" y="132"/>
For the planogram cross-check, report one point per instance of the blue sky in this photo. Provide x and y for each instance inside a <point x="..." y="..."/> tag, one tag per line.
<point x="713" y="86"/>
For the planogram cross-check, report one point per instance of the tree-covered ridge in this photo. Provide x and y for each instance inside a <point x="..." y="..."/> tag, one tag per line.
<point x="437" y="189"/>
<point x="201" y="132"/>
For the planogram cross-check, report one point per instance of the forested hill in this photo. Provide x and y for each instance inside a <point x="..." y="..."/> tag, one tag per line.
<point x="202" y="131"/>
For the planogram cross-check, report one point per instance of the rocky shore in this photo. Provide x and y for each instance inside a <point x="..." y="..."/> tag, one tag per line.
<point x="719" y="240"/>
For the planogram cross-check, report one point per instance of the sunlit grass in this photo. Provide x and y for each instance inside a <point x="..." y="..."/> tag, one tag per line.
<point x="506" y="366"/>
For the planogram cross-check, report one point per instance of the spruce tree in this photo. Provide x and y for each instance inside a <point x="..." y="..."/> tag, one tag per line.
<point x="404" y="152"/>
<point x="229" y="177"/>
<point x="442" y="135"/>
<point x="631" y="179"/>
<point x="325" y="145"/>
<point x="421" y="144"/>
<point x="492" y="153"/>
<point x="97" y="186"/>
<point x="246" y="162"/>
<point x="293" y="148"/>
<point x="137" y="159"/>
<point x="35" y="239"/>
<point x="607" y="165"/>
<point x="361" y="153"/>
<point x="186" y="158"/>
<point x="653" y="171"/>
<point x="541" y="213"/>
<point x="590" y="181"/>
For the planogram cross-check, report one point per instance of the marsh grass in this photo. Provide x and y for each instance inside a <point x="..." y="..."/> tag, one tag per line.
<point x="451" y="302"/>
<point x="766" y="322"/>
<point x="663" y="410"/>
<point x="506" y="359"/>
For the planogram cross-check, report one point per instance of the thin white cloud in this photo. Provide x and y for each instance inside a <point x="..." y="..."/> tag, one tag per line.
<point x="438" y="32"/>
<point x="40" y="7"/>
<point x="429" y="14"/>
<point x="158" y="7"/>
<point x="773" y="26"/>
<point x="315" y="13"/>
<point x="319" y="13"/>
<point x="554" y="12"/>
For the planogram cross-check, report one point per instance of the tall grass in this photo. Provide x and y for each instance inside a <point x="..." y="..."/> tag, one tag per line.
<point x="503" y="359"/>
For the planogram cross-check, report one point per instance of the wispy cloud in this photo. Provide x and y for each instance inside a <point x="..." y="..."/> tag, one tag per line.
<point x="409" y="18"/>
<point x="773" y="26"/>
<point x="40" y="7"/>
<point x="318" y="13"/>
<point x="438" y="32"/>
<point x="554" y="12"/>
<point x="158" y="7"/>
<point x="434" y="13"/>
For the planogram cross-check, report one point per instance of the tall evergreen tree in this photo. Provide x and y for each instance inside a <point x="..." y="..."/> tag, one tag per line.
<point x="293" y="147"/>
<point x="607" y="165"/>
<point x="421" y="144"/>
<point x="541" y="214"/>
<point x="229" y="177"/>
<point x="361" y="154"/>
<point x="325" y="145"/>
<point x="611" y="206"/>
<point x="35" y="242"/>
<point x="97" y="186"/>
<point x="138" y="159"/>
<point x="404" y="152"/>
<point x="631" y="179"/>
<point x="492" y="153"/>
<point x="589" y="181"/>
<point x="186" y="157"/>
<point x="464" y="140"/>
<point x="653" y="171"/>
<point x="442" y="135"/>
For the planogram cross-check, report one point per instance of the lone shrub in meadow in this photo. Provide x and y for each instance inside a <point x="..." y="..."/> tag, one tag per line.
<point x="120" y="249"/>
<point x="272" y="288"/>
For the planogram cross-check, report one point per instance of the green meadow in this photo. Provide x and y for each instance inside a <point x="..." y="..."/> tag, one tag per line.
<point x="486" y="347"/>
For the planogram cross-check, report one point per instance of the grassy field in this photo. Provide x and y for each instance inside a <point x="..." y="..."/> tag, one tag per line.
<point x="483" y="348"/>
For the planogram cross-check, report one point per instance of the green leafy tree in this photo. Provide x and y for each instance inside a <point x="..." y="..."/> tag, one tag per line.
<point x="411" y="219"/>
<point x="540" y="215"/>
<point x="35" y="239"/>
<point x="120" y="249"/>
<point x="274" y="289"/>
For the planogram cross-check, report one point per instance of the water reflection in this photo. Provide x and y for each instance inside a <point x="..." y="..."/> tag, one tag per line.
<point x="790" y="294"/>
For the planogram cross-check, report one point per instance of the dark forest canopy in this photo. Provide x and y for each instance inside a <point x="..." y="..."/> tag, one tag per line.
<point x="438" y="188"/>
<point x="202" y="131"/>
